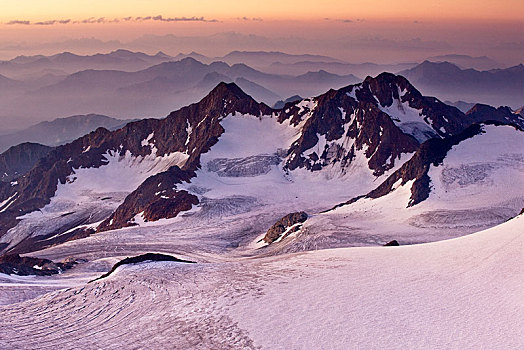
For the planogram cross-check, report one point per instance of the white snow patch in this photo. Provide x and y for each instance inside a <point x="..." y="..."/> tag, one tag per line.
<point x="189" y="131"/>
<point x="7" y="203"/>
<point x="147" y="142"/>
<point x="408" y="119"/>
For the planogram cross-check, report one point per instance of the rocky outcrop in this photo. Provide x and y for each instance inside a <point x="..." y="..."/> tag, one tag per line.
<point x="18" y="160"/>
<point x="14" y="264"/>
<point x="156" y="198"/>
<point x="432" y="152"/>
<point x="392" y="243"/>
<point x="285" y="226"/>
<point x="481" y="113"/>
<point x="148" y="257"/>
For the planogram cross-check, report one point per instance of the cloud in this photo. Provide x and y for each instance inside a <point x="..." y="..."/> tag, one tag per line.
<point x="103" y="20"/>
<point x="342" y="20"/>
<point x="16" y="21"/>
<point x="51" y="22"/>
<point x="256" y="19"/>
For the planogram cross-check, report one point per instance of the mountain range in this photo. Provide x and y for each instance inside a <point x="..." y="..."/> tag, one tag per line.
<point x="129" y="84"/>
<point x="382" y="131"/>
<point x="152" y="91"/>
<point x="500" y="87"/>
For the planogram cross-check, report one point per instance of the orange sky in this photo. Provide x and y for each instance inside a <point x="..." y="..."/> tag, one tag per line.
<point x="44" y="10"/>
<point x="365" y="29"/>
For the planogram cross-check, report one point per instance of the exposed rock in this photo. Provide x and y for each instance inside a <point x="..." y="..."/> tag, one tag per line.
<point x="285" y="226"/>
<point x="156" y="198"/>
<point x="392" y="243"/>
<point x="14" y="264"/>
<point x="143" y="258"/>
<point x="432" y="152"/>
<point x="353" y="119"/>
<point x="18" y="160"/>
<point x="481" y="113"/>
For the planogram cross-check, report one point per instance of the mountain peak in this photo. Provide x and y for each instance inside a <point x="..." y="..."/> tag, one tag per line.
<point x="225" y="89"/>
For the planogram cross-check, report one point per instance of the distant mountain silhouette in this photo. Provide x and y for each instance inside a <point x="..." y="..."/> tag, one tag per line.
<point x="447" y="81"/>
<point x="60" y="130"/>
<point x="465" y="61"/>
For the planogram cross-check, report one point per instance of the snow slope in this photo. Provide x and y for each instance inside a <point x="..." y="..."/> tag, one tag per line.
<point x="465" y="293"/>
<point x="92" y="194"/>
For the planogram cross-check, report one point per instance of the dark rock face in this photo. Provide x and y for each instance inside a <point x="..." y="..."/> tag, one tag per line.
<point x="156" y="198"/>
<point x="14" y="264"/>
<point x="483" y="113"/>
<point x="392" y="243"/>
<point x="276" y="231"/>
<point x="18" y="160"/>
<point x="432" y="152"/>
<point x="352" y="119"/>
<point x="143" y="258"/>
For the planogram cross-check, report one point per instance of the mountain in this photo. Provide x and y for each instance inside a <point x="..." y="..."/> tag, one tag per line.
<point x="18" y="160"/>
<point x="67" y="62"/>
<point x="158" y="89"/>
<point x="10" y="87"/>
<point x="342" y="68"/>
<point x="265" y="58"/>
<point x="465" y="61"/>
<point x="230" y="155"/>
<point x="463" y="106"/>
<point x="281" y="103"/>
<point x="60" y="130"/>
<point x="447" y="81"/>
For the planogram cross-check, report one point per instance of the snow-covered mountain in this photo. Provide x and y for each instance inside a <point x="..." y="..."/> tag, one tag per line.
<point x="229" y="154"/>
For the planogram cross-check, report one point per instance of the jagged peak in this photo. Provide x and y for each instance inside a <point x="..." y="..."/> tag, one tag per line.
<point x="227" y="89"/>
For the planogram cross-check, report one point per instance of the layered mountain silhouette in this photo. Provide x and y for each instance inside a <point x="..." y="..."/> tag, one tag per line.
<point x="448" y="81"/>
<point x="151" y="91"/>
